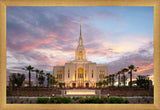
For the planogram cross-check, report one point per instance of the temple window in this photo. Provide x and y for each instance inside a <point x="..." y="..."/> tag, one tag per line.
<point x="59" y="75"/>
<point x="101" y="75"/>
<point x="92" y="73"/>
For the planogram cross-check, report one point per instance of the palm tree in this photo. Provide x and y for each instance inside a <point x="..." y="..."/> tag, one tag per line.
<point x="53" y="80"/>
<point x="30" y="69"/>
<point x="12" y="80"/>
<point x="37" y="72"/>
<point x="131" y="69"/>
<point x="113" y="80"/>
<point x="106" y="77"/>
<point x="110" y="79"/>
<point x="119" y="75"/>
<point x="124" y="79"/>
<point x="48" y="78"/>
<point x="104" y="83"/>
<point x="100" y="83"/>
<point x="41" y="78"/>
<point x="17" y="78"/>
<point x="124" y="70"/>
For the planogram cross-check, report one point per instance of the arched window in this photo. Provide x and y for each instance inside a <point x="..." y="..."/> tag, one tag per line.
<point x="68" y="73"/>
<point x="92" y="73"/>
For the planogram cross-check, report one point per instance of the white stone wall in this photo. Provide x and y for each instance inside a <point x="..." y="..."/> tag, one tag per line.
<point x="59" y="68"/>
<point x="101" y="68"/>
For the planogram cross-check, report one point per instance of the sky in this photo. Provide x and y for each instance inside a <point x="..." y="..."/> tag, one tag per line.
<point x="48" y="36"/>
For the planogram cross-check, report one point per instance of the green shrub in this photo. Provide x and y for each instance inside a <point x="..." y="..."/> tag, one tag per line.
<point x="82" y="100"/>
<point x="91" y="100"/>
<point x="74" y="98"/>
<point x="52" y="100"/>
<point x="63" y="100"/>
<point x="66" y="99"/>
<point x="42" y="100"/>
<point x="116" y="100"/>
<point x="148" y="101"/>
<point x="106" y="99"/>
<point x="112" y="100"/>
<point x="119" y="100"/>
<point x="126" y="101"/>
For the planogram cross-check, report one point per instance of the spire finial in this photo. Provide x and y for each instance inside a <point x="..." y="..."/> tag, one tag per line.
<point x="80" y="37"/>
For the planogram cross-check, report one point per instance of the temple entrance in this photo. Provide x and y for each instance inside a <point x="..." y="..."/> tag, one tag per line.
<point x="73" y="85"/>
<point x="80" y="77"/>
<point x="87" y="85"/>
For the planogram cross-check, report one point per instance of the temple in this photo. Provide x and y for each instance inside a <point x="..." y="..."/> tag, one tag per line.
<point x="80" y="72"/>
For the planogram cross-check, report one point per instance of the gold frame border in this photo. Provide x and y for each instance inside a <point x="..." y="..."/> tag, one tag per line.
<point x="154" y="3"/>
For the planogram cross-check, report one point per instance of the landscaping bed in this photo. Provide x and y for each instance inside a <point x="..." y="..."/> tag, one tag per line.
<point x="79" y="100"/>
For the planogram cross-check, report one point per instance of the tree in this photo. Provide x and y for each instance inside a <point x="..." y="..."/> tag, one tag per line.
<point x="61" y="85"/>
<point x="53" y="80"/>
<point x="30" y="69"/>
<point x="104" y="83"/>
<point x="37" y="72"/>
<point x="131" y="69"/>
<point x="119" y="75"/>
<point x="17" y="78"/>
<point x="100" y="83"/>
<point x="112" y="79"/>
<point x="143" y="81"/>
<point x="123" y="80"/>
<point x="124" y="70"/>
<point x="41" y="78"/>
<point x="106" y="77"/>
<point x="12" y="80"/>
<point x="48" y="79"/>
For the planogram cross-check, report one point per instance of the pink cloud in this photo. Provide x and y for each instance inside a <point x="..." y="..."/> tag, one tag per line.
<point x="58" y="37"/>
<point x="35" y="43"/>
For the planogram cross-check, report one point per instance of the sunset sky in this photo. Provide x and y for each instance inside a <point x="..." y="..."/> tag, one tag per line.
<point x="47" y="36"/>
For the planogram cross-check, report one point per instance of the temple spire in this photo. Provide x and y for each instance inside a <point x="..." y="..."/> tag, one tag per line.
<point x="80" y="37"/>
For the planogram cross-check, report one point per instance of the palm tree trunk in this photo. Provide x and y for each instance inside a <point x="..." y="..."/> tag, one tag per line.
<point x="124" y="81"/>
<point x="131" y="79"/>
<point x="29" y="78"/>
<point x="48" y="83"/>
<point x="119" y="80"/>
